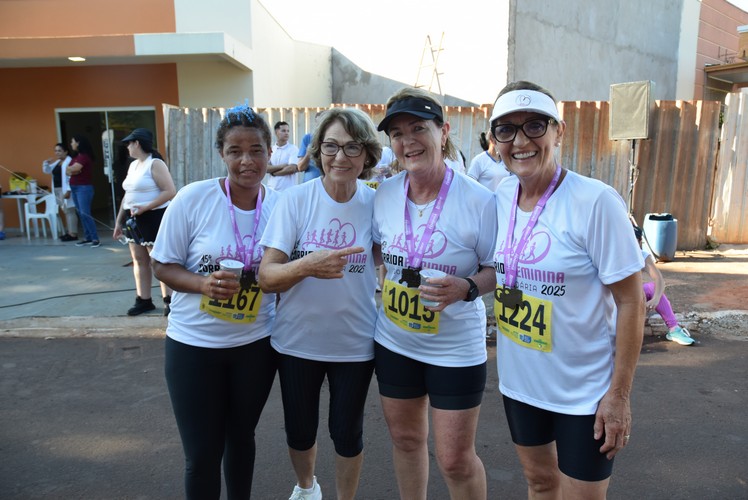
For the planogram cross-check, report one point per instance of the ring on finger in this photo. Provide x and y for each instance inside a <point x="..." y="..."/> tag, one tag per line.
<point x="219" y="283"/>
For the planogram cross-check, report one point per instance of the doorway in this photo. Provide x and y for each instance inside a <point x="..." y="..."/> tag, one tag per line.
<point x="105" y="128"/>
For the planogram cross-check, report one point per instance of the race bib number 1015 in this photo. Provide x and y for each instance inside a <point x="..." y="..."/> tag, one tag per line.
<point x="402" y="305"/>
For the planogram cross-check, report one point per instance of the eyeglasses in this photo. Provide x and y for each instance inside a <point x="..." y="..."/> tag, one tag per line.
<point x="351" y="150"/>
<point x="533" y="129"/>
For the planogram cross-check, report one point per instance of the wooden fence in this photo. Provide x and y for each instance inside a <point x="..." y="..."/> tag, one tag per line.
<point x="729" y="222"/>
<point x="678" y="170"/>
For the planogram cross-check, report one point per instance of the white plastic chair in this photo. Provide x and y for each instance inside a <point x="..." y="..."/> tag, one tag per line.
<point x="50" y="214"/>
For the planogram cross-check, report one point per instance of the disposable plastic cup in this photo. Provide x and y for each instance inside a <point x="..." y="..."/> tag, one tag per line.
<point x="233" y="266"/>
<point x="430" y="273"/>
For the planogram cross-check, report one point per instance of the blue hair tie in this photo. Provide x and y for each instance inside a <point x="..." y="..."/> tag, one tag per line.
<point x="241" y="109"/>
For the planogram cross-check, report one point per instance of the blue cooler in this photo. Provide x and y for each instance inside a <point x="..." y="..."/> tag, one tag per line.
<point x="661" y="233"/>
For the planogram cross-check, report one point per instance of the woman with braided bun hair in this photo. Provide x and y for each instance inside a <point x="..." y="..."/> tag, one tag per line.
<point x="219" y="364"/>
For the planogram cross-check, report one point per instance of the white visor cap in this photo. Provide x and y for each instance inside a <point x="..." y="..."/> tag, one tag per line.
<point x="524" y="100"/>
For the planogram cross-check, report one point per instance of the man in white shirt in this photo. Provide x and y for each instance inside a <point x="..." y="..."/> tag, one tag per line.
<point x="282" y="168"/>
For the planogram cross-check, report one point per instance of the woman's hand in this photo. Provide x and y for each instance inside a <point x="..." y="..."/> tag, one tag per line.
<point x="445" y="290"/>
<point x="277" y="274"/>
<point x="448" y="290"/>
<point x="220" y="285"/>
<point x="328" y="264"/>
<point x="453" y="289"/>
<point x="613" y="422"/>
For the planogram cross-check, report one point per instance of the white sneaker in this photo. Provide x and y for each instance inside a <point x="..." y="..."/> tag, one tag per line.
<point x="313" y="493"/>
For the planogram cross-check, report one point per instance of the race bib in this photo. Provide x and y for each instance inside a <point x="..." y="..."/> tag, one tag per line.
<point x="243" y="307"/>
<point x="528" y="324"/>
<point x="402" y="305"/>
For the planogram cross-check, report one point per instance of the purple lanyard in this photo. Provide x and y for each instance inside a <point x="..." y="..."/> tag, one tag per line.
<point x="512" y="264"/>
<point x="415" y="257"/>
<point x="246" y="252"/>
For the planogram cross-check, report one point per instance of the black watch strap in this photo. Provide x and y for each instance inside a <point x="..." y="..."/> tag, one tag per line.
<point x="472" y="291"/>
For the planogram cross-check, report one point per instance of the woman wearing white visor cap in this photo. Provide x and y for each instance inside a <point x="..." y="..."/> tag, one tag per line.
<point x="568" y="305"/>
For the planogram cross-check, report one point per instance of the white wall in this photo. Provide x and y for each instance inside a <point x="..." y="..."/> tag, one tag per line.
<point x="283" y="72"/>
<point x="689" y="38"/>
<point x="213" y="84"/>
<point x="288" y="73"/>
<point x="578" y="49"/>
<point x="230" y="16"/>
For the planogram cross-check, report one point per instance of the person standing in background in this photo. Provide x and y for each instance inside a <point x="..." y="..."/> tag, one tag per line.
<point x="80" y="171"/>
<point x="57" y="167"/>
<point x="148" y="189"/>
<point x="654" y="293"/>
<point x="456" y="163"/>
<point x="487" y="167"/>
<point x="2" y="216"/>
<point x="283" y="168"/>
<point x="306" y="163"/>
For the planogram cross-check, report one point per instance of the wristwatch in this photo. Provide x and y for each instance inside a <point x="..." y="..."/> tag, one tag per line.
<point x="472" y="291"/>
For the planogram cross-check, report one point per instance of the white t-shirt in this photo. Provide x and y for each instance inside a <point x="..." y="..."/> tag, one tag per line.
<point x="457" y="165"/>
<point x="463" y="239"/>
<point x="282" y="155"/>
<point x="582" y="242"/>
<point x="382" y="169"/>
<point x="196" y="233"/>
<point x="387" y="157"/>
<point x="487" y="171"/>
<point x="139" y="185"/>
<point x="318" y="319"/>
<point x="48" y="167"/>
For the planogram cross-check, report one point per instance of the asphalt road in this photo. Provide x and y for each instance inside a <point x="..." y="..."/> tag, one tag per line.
<point x="89" y="418"/>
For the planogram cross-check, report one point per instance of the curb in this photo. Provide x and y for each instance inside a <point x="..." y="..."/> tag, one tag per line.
<point x="84" y="327"/>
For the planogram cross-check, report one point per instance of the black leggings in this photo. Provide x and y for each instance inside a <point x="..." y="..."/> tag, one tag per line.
<point x="301" y="382"/>
<point x="218" y="396"/>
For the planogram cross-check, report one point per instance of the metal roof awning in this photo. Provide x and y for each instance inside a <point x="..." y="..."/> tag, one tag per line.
<point x="735" y="73"/>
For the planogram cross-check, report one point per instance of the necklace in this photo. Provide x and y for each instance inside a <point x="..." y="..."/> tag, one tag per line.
<point x="423" y="207"/>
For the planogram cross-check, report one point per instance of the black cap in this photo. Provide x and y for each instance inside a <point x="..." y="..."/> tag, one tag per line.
<point x="139" y="134"/>
<point x="417" y="106"/>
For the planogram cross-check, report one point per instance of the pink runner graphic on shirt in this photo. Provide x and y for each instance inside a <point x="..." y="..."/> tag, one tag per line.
<point x="538" y="246"/>
<point x="336" y="235"/>
<point x="436" y="246"/>
<point x="234" y="253"/>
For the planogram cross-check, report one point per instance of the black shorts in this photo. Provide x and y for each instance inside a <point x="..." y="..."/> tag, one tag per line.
<point x="448" y="388"/>
<point x="148" y="224"/>
<point x="348" y="383"/>
<point x="579" y="454"/>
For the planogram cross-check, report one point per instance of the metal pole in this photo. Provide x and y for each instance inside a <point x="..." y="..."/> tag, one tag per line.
<point x="632" y="177"/>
